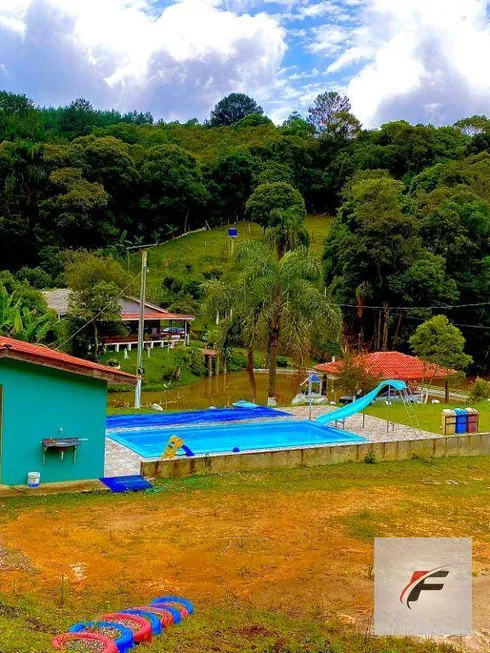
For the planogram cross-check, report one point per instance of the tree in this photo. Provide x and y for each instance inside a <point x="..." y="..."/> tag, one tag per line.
<point x="172" y="187"/>
<point x="77" y="210"/>
<point x="331" y="116"/>
<point x="232" y="108"/>
<point x="267" y="199"/>
<point x="296" y="125"/>
<point x="286" y="308"/>
<point x="230" y="184"/>
<point x="96" y="285"/>
<point x="19" y="321"/>
<point x="473" y="125"/>
<point x="355" y="375"/>
<point x="288" y="231"/>
<point x="440" y="343"/>
<point x="372" y="240"/>
<point x="78" y="118"/>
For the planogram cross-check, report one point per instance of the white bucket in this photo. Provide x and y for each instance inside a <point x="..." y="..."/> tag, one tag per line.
<point x="33" y="479"/>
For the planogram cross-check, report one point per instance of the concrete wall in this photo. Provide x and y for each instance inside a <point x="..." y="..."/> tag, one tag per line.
<point x="36" y="402"/>
<point x="437" y="447"/>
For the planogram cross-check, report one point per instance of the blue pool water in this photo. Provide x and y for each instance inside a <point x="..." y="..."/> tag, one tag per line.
<point x="184" y="418"/>
<point x="151" y="443"/>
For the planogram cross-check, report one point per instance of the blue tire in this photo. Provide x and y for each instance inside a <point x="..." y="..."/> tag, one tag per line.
<point x="175" y="599"/>
<point x="177" y="617"/>
<point x="123" y="643"/>
<point x="156" y="624"/>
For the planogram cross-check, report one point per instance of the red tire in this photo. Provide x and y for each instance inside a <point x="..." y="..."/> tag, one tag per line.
<point x="59" y="641"/>
<point x="164" y="615"/>
<point x="141" y="627"/>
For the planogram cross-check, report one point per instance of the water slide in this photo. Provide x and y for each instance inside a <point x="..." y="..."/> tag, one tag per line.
<point x="356" y="406"/>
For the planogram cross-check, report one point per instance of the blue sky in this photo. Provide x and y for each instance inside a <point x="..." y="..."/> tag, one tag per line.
<point x="421" y="60"/>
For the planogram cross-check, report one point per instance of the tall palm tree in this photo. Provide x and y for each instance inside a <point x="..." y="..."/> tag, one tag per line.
<point x="292" y="309"/>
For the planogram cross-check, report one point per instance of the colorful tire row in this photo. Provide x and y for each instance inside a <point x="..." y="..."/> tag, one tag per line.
<point x="118" y="632"/>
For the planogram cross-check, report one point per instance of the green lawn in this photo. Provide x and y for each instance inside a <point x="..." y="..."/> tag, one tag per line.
<point x="428" y="415"/>
<point x="187" y="257"/>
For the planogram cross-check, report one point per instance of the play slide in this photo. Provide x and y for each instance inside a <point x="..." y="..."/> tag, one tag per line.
<point x="360" y="404"/>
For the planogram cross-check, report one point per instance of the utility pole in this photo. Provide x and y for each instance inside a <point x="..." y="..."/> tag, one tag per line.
<point x="141" y="328"/>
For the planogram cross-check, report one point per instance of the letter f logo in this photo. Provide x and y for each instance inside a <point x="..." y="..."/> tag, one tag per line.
<point x="418" y="583"/>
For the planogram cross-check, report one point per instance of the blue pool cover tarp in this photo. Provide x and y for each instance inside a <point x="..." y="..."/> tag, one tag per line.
<point x="191" y="417"/>
<point x="126" y="483"/>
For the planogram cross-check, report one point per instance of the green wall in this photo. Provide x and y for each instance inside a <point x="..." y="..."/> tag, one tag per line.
<point x="36" y="402"/>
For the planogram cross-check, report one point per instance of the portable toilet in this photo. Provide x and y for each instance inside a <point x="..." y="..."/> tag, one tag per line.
<point x="448" y="421"/>
<point x="473" y="420"/>
<point x="461" y="420"/>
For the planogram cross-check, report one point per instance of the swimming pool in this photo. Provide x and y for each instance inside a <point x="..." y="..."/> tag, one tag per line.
<point x="150" y="443"/>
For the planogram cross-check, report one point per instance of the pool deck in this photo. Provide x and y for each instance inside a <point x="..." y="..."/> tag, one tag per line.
<point x="121" y="461"/>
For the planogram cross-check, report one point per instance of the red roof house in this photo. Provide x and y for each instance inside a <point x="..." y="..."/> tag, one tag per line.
<point x="41" y="355"/>
<point x="392" y="365"/>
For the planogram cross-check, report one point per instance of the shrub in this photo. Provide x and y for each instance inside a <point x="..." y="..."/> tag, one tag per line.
<point x="35" y="277"/>
<point x="370" y="458"/>
<point x="237" y="361"/>
<point x="212" y="272"/>
<point x="282" y="361"/>
<point x="479" y="391"/>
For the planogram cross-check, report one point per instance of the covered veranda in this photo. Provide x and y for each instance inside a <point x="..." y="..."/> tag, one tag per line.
<point x="162" y="329"/>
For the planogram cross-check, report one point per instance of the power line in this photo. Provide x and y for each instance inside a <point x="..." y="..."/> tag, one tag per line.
<point x="413" y="308"/>
<point x="465" y="326"/>
<point x="98" y="314"/>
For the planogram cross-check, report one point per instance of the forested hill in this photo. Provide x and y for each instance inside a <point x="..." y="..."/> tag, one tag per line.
<point x="412" y="230"/>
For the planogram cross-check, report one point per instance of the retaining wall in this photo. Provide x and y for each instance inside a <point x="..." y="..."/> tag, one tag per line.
<point x="477" y="444"/>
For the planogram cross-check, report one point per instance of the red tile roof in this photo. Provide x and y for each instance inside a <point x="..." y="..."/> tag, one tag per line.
<point x="393" y="365"/>
<point x="41" y="355"/>
<point x="157" y="316"/>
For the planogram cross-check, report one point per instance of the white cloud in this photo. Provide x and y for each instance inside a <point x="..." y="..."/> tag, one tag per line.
<point x="176" y="62"/>
<point x="425" y="60"/>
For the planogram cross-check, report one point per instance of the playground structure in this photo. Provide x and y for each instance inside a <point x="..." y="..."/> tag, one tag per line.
<point x="120" y="631"/>
<point x="401" y="389"/>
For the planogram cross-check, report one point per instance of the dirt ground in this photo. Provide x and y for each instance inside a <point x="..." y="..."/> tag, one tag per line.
<point x="298" y="542"/>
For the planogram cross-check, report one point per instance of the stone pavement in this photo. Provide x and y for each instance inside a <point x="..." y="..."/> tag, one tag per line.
<point x="121" y="461"/>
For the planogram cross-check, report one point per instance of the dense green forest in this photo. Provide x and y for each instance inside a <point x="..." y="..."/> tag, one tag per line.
<point x="411" y="236"/>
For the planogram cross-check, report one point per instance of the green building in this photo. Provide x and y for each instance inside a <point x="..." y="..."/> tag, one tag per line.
<point x="52" y="413"/>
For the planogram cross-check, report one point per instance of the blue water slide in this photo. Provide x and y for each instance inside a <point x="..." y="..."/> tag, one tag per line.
<point x="351" y="409"/>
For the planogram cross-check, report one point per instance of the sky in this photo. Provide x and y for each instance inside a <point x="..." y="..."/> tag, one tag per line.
<point x="418" y="60"/>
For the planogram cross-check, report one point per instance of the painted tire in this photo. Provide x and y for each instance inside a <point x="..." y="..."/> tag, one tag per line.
<point x="142" y="632"/>
<point x="177" y="614"/>
<point x="176" y="599"/>
<point x="123" y="643"/>
<point x="153" y="619"/>
<point x="59" y="641"/>
<point x="164" y="614"/>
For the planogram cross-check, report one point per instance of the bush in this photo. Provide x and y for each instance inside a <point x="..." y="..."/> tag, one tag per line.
<point x="237" y="361"/>
<point x="212" y="272"/>
<point x="282" y="361"/>
<point x="192" y="288"/>
<point x="370" y="458"/>
<point x="171" y="283"/>
<point x="35" y="277"/>
<point x="479" y="391"/>
<point x="190" y="358"/>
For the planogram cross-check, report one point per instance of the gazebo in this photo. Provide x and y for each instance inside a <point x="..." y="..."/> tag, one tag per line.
<point x="393" y="365"/>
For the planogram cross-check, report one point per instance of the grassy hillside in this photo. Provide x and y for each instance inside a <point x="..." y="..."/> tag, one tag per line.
<point x="188" y="257"/>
